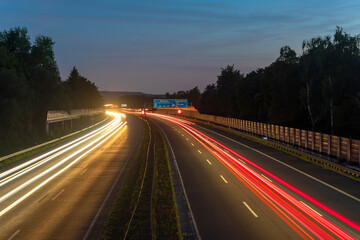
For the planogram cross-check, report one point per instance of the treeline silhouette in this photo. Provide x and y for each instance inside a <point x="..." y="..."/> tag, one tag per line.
<point x="318" y="90"/>
<point x="30" y="85"/>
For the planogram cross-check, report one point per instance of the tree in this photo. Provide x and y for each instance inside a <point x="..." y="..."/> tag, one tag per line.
<point x="284" y="83"/>
<point x="84" y="93"/>
<point x="42" y="54"/>
<point x="311" y="75"/>
<point x="17" y="43"/>
<point x="249" y="96"/>
<point x="208" y="100"/>
<point x="227" y="85"/>
<point x="192" y="95"/>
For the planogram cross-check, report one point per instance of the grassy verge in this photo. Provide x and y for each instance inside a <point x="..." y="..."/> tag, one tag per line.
<point x="140" y="227"/>
<point x="156" y="215"/>
<point x="118" y="221"/>
<point x="47" y="146"/>
<point x="165" y="216"/>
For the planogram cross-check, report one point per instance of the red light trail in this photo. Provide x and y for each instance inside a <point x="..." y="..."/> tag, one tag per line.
<point x="308" y="223"/>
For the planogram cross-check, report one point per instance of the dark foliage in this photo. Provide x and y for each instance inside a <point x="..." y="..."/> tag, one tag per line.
<point x="30" y="85"/>
<point x="319" y="90"/>
<point x="192" y="95"/>
<point x="137" y="101"/>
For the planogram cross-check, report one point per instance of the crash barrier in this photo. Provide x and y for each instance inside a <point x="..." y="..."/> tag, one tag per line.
<point x="65" y="119"/>
<point x="53" y="116"/>
<point x="340" y="148"/>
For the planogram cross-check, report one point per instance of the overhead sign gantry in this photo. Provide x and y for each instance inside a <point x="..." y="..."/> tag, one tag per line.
<point x="170" y="103"/>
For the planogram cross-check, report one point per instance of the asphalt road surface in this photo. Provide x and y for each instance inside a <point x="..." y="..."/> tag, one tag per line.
<point x="239" y="189"/>
<point x="236" y="189"/>
<point x="68" y="193"/>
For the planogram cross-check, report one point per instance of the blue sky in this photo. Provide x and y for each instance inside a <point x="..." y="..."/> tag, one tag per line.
<point x="163" y="46"/>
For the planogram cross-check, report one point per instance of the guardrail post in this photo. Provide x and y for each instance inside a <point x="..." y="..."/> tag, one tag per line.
<point x="288" y="135"/>
<point x="306" y="139"/>
<point x="359" y="154"/>
<point x="283" y="134"/>
<point x="320" y="143"/>
<point x="293" y="136"/>
<point x="338" y="147"/>
<point x="348" y="141"/>
<point x="47" y="128"/>
<point x="313" y="140"/>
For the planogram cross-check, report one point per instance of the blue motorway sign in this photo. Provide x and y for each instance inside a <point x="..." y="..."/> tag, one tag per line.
<point x="170" y="103"/>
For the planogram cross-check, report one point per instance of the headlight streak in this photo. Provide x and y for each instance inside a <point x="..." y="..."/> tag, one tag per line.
<point x="275" y="194"/>
<point x="18" y="169"/>
<point x="39" y="163"/>
<point x="103" y="138"/>
<point x="27" y="183"/>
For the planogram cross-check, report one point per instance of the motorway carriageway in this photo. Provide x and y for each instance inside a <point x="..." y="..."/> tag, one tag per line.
<point x="59" y="193"/>
<point x="276" y="208"/>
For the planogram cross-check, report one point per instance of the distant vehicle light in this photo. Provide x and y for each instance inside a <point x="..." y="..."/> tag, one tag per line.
<point x="179" y="111"/>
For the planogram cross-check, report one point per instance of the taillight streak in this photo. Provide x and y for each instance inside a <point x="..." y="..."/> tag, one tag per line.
<point x="270" y="189"/>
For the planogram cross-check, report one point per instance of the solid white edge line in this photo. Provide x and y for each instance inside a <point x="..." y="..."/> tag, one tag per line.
<point x="223" y="179"/>
<point x="242" y="161"/>
<point x="291" y="167"/>
<point x="107" y="197"/>
<point x="2" y="212"/>
<point x="58" y="164"/>
<point x="311" y="208"/>
<point x="14" y="234"/>
<point x="266" y="177"/>
<point x="182" y="184"/>
<point x="36" y="162"/>
<point x="49" y="142"/>
<point x="58" y="195"/>
<point x="253" y="213"/>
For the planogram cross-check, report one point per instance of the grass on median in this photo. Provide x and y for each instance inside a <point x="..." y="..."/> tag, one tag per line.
<point x="156" y="213"/>
<point x="118" y="221"/>
<point x="165" y="215"/>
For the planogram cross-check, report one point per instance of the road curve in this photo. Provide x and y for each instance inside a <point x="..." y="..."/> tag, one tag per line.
<point x="68" y="192"/>
<point x="238" y="189"/>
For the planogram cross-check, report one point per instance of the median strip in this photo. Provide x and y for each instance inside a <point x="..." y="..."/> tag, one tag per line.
<point x="146" y="208"/>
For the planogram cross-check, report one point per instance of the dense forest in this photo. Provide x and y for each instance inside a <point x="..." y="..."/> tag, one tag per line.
<point x="30" y="85"/>
<point x="319" y="90"/>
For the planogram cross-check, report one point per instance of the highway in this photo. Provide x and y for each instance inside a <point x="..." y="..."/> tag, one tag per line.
<point x="67" y="192"/>
<point x="236" y="188"/>
<point x="239" y="189"/>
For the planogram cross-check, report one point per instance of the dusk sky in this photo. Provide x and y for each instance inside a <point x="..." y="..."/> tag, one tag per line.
<point x="164" y="45"/>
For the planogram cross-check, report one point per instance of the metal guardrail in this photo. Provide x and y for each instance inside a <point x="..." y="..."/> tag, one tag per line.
<point x="328" y="145"/>
<point x="47" y="143"/>
<point x="58" y="115"/>
<point x="290" y="139"/>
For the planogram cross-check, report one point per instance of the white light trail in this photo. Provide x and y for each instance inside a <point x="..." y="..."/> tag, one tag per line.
<point x="116" y="126"/>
